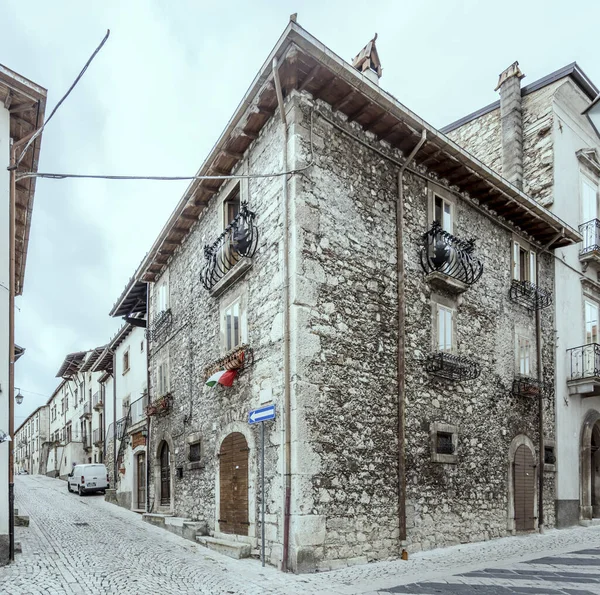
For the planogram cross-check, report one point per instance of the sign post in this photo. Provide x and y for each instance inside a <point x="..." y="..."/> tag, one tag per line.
<point x="254" y="417"/>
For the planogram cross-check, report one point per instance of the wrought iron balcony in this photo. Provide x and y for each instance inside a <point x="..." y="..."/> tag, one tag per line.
<point x="98" y="438"/>
<point x="590" y="247"/>
<point x="160" y="325"/>
<point x="122" y="426"/>
<point x="524" y="386"/>
<point x="97" y="400"/>
<point x="87" y="410"/>
<point x="529" y="295"/>
<point x="87" y="442"/>
<point x="584" y="370"/>
<point x="449" y="261"/>
<point x="452" y="367"/>
<point x="239" y="240"/>
<point x="138" y="409"/>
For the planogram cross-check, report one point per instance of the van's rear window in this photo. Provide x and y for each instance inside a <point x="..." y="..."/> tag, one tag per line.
<point x="96" y="468"/>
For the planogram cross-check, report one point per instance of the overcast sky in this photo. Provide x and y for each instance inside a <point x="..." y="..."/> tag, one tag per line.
<point x="161" y="91"/>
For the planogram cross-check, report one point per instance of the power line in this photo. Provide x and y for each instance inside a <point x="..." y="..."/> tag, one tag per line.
<point x="39" y="131"/>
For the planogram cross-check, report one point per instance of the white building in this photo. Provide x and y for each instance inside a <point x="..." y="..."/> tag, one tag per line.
<point x="554" y="137"/>
<point x="22" y="106"/>
<point x="31" y="442"/>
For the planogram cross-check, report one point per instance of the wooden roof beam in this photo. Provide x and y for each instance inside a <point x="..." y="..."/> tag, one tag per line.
<point x="357" y="114"/>
<point x="393" y="130"/>
<point x="343" y="101"/>
<point x="309" y="78"/>
<point x="373" y="123"/>
<point x="232" y="154"/>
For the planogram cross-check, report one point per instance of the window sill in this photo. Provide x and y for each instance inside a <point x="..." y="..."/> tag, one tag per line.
<point x="237" y="272"/>
<point x="194" y="465"/>
<point x="549" y="468"/>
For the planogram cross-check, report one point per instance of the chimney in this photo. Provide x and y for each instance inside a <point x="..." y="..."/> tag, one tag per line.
<point x="511" y="119"/>
<point x="367" y="62"/>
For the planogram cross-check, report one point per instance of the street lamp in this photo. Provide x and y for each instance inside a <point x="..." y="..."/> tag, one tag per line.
<point x="19" y="396"/>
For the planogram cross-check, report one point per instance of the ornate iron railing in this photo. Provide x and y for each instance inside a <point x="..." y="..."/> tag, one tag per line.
<point x="160" y="325"/>
<point x="524" y="386"/>
<point x="87" y="441"/>
<point x="87" y="409"/>
<point x="452" y="367"/>
<point x="444" y="253"/>
<point x="97" y="400"/>
<point x="121" y="426"/>
<point x="239" y="240"/>
<point x="591" y="236"/>
<point x="161" y="406"/>
<point x="97" y="436"/>
<point x="237" y="359"/>
<point x="138" y="409"/>
<point x="584" y="361"/>
<point x="529" y="295"/>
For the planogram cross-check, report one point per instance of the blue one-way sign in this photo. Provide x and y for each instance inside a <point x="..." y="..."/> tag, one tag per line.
<point x="262" y="414"/>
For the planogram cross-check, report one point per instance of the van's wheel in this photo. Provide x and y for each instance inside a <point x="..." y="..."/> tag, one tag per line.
<point x="79" y="490"/>
<point x="69" y="487"/>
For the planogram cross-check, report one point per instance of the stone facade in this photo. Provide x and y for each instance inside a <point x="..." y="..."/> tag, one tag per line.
<point x="344" y="342"/>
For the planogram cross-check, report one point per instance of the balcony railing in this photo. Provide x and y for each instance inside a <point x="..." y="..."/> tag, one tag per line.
<point x="138" y="410"/>
<point x="524" y="386"/>
<point x="121" y="426"/>
<point x="584" y="361"/>
<point x="98" y="437"/>
<point x="447" y="255"/>
<point x="529" y="295"/>
<point x="591" y="237"/>
<point x="452" y="367"/>
<point x="239" y="240"/>
<point x="87" y="409"/>
<point x="160" y="325"/>
<point x="97" y="400"/>
<point x="87" y="441"/>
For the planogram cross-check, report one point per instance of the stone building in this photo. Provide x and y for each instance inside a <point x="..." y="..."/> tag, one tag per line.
<point x="370" y="295"/>
<point x="541" y="137"/>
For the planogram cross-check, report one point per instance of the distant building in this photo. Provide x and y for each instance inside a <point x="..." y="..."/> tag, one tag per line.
<point x="383" y="296"/>
<point x="22" y="106"/>
<point x="544" y="137"/>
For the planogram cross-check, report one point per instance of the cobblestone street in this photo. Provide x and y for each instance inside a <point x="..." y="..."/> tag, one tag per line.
<point x="85" y="545"/>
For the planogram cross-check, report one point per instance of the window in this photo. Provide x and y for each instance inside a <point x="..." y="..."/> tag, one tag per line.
<point x="524" y="263"/>
<point x="195" y="452"/>
<point x="231" y="207"/>
<point x="232" y="315"/>
<point x="444" y="328"/>
<point x="524" y="355"/>
<point x="549" y="457"/>
<point x="75" y="395"/>
<point x="81" y="392"/>
<point x="444" y="444"/>
<point x="126" y="361"/>
<point x="443" y="440"/>
<point x="591" y="322"/>
<point x="141" y="346"/>
<point x="161" y="298"/>
<point x="126" y="402"/>
<point x="162" y="378"/>
<point x="442" y="212"/>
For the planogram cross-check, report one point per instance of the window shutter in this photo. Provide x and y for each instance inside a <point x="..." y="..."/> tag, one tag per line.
<point x="516" y="268"/>
<point x="532" y="268"/>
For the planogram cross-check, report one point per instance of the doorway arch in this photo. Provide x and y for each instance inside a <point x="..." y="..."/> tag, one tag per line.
<point x="589" y="464"/>
<point x="522" y="485"/>
<point x="163" y="481"/>
<point x="165" y="475"/>
<point x="233" y="485"/>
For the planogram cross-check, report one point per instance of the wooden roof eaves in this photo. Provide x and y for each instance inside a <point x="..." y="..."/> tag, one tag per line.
<point x="385" y="100"/>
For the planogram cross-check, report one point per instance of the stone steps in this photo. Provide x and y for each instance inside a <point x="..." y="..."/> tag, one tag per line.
<point x="181" y="526"/>
<point x="590" y="522"/>
<point x="233" y="549"/>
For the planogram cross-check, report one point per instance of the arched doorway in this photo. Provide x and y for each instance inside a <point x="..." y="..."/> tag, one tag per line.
<point x="589" y="466"/>
<point x="233" y="485"/>
<point x="524" y="484"/>
<point x="165" y="475"/>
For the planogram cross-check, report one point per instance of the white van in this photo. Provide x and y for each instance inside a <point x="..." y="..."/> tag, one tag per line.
<point x="88" y="478"/>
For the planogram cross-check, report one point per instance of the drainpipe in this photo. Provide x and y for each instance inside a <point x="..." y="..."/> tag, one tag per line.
<point x="286" y="330"/>
<point x="402" y="337"/>
<point x="12" y="202"/>
<point x="147" y="399"/>
<point x="114" y="366"/>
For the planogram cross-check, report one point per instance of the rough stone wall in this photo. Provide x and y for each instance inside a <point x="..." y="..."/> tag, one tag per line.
<point x="347" y="395"/>
<point x="482" y="137"/>
<point x="193" y="342"/>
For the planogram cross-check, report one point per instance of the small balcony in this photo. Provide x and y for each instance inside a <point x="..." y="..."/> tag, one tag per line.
<point x="590" y="247"/>
<point x="531" y="388"/>
<point x="229" y="255"/>
<point x="452" y="367"/>
<point x="98" y="400"/>
<point x="138" y="410"/>
<point x="87" y="411"/>
<point x="529" y="295"/>
<point x="87" y="442"/>
<point x="98" y="438"/>
<point x="160" y="325"/>
<point x="583" y="367"/>
<point x="448" y="262"/>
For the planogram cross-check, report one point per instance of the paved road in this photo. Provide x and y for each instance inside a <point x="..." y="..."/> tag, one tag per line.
<point x="86" y="546"/>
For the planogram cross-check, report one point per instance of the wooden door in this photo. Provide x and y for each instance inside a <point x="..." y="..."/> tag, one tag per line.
<point x="524" y="484"/>
<point x="165" y="475"/>
<point x="233" y="482"/>
<point x="141" y="481"/>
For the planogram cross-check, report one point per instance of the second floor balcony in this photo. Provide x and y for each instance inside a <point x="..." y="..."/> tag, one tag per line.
<point x="87" y="441"/>
<point x="452" y="367"/>
<point x="138" y="410"/>
<point x="98" y="400"/>
<point x="583" y="370"/>
<point x="230" y="250"/>
<point x="449" y="262"/>
<point x="590" y="247"/>
<point x="87" y="410"/>
<point x="98" y="437"/>
<point x="529" y="295"/>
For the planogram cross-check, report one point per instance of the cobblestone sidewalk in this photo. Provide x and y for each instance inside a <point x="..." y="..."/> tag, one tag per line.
<point x="84" y="545"/>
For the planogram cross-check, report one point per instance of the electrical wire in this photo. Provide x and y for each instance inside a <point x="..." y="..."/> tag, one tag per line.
<point x="39" y="130"/>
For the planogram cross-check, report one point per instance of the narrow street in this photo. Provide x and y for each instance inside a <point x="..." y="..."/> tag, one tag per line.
<point x="85" y="545"/>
